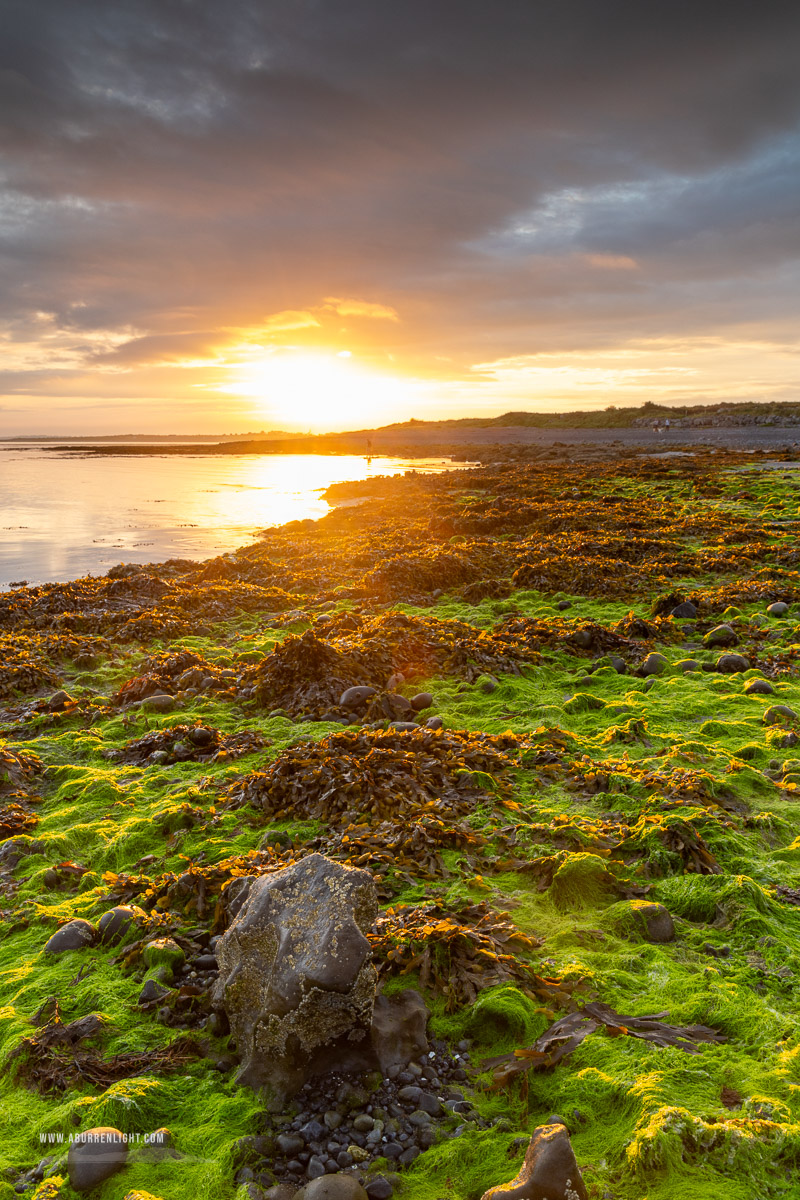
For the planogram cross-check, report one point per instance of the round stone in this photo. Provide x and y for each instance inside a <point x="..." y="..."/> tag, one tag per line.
<point x="115" y="923"/>
<point x="354" y="697"/>
<point x="730" y="664"/>
<point x="779" y="714"/>
<point x="759" y="687"/>
<point x="778" y="609"/>
<point x="721" y="635"/>
<point x="75" y="935"/>
<point x="421" y="700"/>
<point x="95" y="1156"/>
<point x="654" y="664"/>
<point x="333" y="1187"/>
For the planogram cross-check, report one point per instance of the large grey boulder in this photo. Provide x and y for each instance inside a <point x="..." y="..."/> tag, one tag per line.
<point x="295" y="973"/>
<point x="549" y="1171"/>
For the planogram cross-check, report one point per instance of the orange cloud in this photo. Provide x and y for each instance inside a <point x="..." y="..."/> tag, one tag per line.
<point x="612" y="262"/>
<point x="362" y="308"/>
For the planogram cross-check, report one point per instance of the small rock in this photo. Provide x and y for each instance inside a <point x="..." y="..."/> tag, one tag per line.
<point x="617" y="663"/>
<point x="654" y="664"/>
<point x="115" y="923"/>
<point x="333" y="1187"/>
<point x="401" y="726"/>
<point x="152" y="992"/>
<point x="392" y="1149"/>
<point x="379" y="1188"/>
<point x="730" y="664"/>
<point x="563" y="605"/>
<point x="684" y="610"/>
<point x="332" y="1119"/>
<point x="316" y="1167"/>
<point x="164" y="952"/>
<point x="430" y="1104"/>
<point x="421" y="700"/>
<point x="160" y="702"/>
<point x="205" y="962"/>
<point x="582" y="638"/>
<point x="94" y="1156"/>
<point x="549" y="1171"/>
<point x="363" y="1123"/>
<point x="778" y="609"/>
<point x="779" y="714"/>
<point x="290" y="1144"/>
<point x="355" y="697"/>
<point x="59" y="701"/>
<point x="721" y="635"/>
<point x="759" y="687"/>
<point x="75" y="935"/>
<point x="280" y="1191"/>
<point x="688" y="664"/>
<point x="408" y="1156"/>
<point x="655" y="921"/>
<point x="434" y="723"/>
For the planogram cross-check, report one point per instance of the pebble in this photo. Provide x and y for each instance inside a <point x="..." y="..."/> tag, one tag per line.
<point x="721" y="635"/>
<point x="778" y="609"/>
<point x="421" y="700"/>
<point x="684" y="610"/>
<point x="654" y="664"/>
<point x="160" y="702"/>
<point x="354" y="697"/>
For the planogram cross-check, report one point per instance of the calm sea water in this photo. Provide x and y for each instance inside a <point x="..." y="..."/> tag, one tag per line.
<point x="63" y="516"/>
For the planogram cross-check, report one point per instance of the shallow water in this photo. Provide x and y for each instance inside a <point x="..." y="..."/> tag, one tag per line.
<point x="63" y="516"/>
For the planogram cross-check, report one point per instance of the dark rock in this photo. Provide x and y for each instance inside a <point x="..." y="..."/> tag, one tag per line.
<point x="549" y="1171"/>
<point x="152" y="992"/>
<point x="684" y="610"/>
<point x="290" y="1143"/>
<point x="392" y="1149"/>
<point x="778" y="609"/>
<point x="654" y="921"/>
<point x="205" y="962"/>
<point x="434" y="723"/>
<point x="759" y="687"/>
<point x="316" y="1167"/>
<point x="408" y="1156"/>
<point x="411" y="1093"/>
<point x="421" y="700"/>
<point x="688" y="664"/>
<point x="779" y="714"/>
<point x="115" y="923"/>
<point x="582" y="638"/>
<point x="400" y="726"/>
<point x="563" y="605"/>
<point x="654" y="664"/>
<point x="379" y="1188"/>
<point x="721" y="635"/>
<point x="59" y="701"/>
<point x="75" y="935"/>
<point x="430" y="1104"/>
<point x="14" y="849"/>
<point x="94" y="1156"/>
<point x="618" y="663"/>
<point x="730" y="664"/>
<point x="488" y="685"/>
<point x="296" y="974"/>
<point x="398" y="1029"/>
<point x="312" y="1131"/>
<point x="355" y="697"/>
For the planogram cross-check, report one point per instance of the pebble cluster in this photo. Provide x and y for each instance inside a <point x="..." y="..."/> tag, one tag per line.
<point x="338" y="1124"/>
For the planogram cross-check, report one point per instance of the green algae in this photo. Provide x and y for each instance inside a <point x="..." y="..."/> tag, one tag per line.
<point x="649" y="1121"/>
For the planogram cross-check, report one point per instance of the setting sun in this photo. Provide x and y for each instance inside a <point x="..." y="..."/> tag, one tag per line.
<point x="321" y="390"/>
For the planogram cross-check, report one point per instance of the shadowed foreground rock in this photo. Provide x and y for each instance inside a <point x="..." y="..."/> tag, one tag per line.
<point x="95" y="1155"/>
<point x="296" y="977"/>
<point x="549" y="1171"/>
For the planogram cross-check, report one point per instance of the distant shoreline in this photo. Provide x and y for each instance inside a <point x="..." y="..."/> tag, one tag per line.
<point x="458" y="443"/>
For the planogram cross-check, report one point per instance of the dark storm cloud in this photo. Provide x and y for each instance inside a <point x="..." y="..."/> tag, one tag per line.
<point x="175" y="166"/>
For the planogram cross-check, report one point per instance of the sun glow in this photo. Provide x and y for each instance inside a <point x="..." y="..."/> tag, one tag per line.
<point x="322" y="391"/>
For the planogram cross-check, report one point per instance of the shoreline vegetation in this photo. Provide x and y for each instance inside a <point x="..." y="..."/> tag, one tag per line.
<point x="515" y="434"/>
<point x="572" y="770"/>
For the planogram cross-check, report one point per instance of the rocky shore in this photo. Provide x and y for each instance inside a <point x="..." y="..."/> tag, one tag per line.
<point x="445" y="846"/>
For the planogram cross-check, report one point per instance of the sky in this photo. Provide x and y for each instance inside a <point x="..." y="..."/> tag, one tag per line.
<point x="306" y="214"/>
